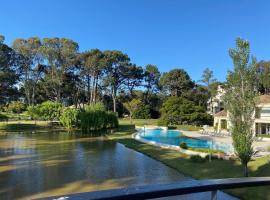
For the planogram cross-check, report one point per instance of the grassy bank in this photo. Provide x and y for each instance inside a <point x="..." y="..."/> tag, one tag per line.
<point x="154" y="122"/>
<point x="27" y="125"/>
<point x="200" y="170"/>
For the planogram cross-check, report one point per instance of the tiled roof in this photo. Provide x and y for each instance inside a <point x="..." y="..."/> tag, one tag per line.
<point x="222" y="113"/>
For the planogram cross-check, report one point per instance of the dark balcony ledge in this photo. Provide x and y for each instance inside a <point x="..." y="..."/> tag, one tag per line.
<point x="165" y="190"/>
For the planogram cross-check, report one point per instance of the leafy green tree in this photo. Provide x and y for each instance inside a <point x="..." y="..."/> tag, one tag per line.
<point x="114" y="79"/>
<point x="178" y="110"/>
<point x="175" y="82"/>
<point x="207" y="77"/>
<point x="151" y="79"/>
<point x="61" y="54"/>
<point x="143" y="112"/>
<point x="240" y="99"/>
<point x="16" y="107"/>
<point x="132" y="106"/>
<point x="31" y="65"/>
<point x="9" y="73"/>
<point x="132" y="76"/>
<point x="93" y="64"/>
<point x="263" y="76"/>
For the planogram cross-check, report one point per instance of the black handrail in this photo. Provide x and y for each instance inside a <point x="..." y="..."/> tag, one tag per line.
<point x="165" y="190"/>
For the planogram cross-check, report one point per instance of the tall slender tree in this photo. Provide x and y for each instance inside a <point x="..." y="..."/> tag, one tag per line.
<point x="240" y="100"/>
<point x="93" y="64"/>
<point x="151" y="79"/>
<point x="61" y="55"/>
<point x="114" y="79"/>
<point x="31" y="65"/>
<point x="9" y="76"/>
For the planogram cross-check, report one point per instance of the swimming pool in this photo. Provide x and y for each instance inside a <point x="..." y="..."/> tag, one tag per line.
<point x="175" y="137"/>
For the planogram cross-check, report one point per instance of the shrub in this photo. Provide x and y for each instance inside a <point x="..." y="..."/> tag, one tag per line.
<point x="3" y="117"/>
<point x="162" y="122"/>
<point x="33" y="112"/>
<point x="16" y="107"/>
<point x="197" y="158"/>
<point x="48" y="110"/>
<point x="97" y="120"/>
<point x="69" y="117"/>
<point x="178" y="110"/>
<point x="184" y="145"/>
<point x="143" y="112"/>
<point x="99" y="106"/>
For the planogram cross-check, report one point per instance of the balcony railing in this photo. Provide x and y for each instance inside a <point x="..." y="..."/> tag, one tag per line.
<point x="166" y="190"/>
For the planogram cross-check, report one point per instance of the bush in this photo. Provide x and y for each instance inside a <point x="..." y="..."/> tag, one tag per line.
<point x="197" y="158"/>
<point x="69" y="117"/>
<point x="178" y="110"/>
<point x="48" y="110"/>
<point x="184" y="145"/>
<point x="3" y="117"/>
<point x="97" y="120"/>
<point x="16" y="107"/>
<point x="33" y="112"/>
<point x="99" y="106"/>
<point x="162" y="122"/>
<point x="143" y="112"/>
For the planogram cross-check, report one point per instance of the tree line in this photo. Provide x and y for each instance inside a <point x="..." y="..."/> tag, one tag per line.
<point x="37" y="70"/>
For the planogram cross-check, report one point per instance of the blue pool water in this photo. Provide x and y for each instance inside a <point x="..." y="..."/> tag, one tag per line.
<point x="174" y="137"/>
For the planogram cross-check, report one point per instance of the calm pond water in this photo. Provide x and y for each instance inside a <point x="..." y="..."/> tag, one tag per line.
<point x="48" y="164"/>
<point x="39" y="165"/>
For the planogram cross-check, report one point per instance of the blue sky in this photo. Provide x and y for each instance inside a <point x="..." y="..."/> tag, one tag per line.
<point x="188" y="34"/>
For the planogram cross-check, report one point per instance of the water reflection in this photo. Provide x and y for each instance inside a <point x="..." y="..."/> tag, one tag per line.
<point x="46" y="164"/>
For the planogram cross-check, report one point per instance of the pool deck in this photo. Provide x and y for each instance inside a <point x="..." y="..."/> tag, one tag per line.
<point x="261" y="146"/>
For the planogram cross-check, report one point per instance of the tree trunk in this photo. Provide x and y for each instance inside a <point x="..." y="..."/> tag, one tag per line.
<point x="245" y="170"/>
<point x="114" y="103"/>
<point x="88" y="89"/>
<point x="33" y="95"/>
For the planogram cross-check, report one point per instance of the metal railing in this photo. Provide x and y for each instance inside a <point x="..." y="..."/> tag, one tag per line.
<point x="166" y="190"/>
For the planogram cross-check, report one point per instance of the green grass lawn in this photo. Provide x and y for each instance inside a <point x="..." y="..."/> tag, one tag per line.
<point x="27" y="125"/>
<point x="154" y="122"/>
<point x="200" y="170"/>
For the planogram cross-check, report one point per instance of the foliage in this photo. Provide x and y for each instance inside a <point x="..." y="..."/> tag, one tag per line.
<point x="99" y="106"/>
<point x="240" y="101"/>
<point x="97" y="120"/>
<point x="183" y="145"/>
<point x="151" y="79"/>
<point x="16" y="107"/>
<point x="263" y="76"/>
<point x="9" y="76"/>
<point x="207" y="77"/>
<point x="69" y="117"/>
<point x="177" y="110"/>
<point x="132" y="106"/>
<point x="3" y="117"/>
<point x="143" y="112"/>
<point x="48" y="111"/>
<point x="175" y="82"/>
